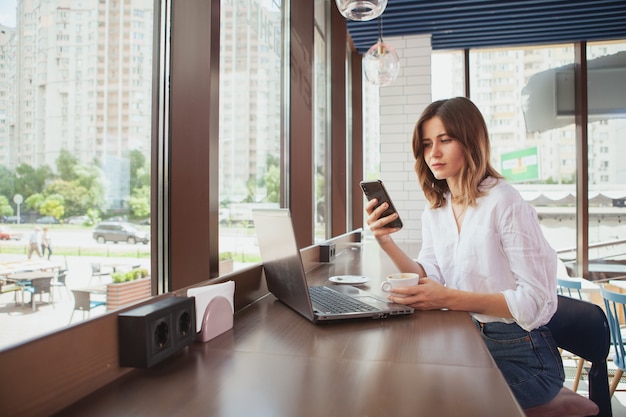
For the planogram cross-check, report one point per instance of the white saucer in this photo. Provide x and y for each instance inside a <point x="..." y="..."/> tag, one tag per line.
<point x="349" y="279"/>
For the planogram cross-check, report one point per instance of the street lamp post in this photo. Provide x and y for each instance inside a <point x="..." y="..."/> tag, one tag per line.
<point x="18" y="199"/>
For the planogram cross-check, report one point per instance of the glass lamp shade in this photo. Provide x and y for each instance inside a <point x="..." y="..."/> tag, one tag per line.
<point x="361" y="10"/>
<point x="381" y="64"/>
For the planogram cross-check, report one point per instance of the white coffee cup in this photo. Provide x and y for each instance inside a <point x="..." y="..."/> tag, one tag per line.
<point x="400" y="279"/>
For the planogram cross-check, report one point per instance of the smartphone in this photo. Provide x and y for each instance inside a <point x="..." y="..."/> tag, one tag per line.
<point x="376" y="189"/>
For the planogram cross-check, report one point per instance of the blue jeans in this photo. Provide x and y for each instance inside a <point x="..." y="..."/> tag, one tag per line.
<point x="529" y="361"/>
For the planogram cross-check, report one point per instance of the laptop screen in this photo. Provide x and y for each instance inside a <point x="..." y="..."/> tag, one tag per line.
<point x="282" y="263"/>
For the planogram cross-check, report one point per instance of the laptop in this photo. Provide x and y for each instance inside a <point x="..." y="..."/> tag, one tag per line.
<point x="286" y="278"/>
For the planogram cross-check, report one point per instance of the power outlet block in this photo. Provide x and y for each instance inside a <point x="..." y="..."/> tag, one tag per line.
<point x="327" y="252"/>
<point x="154" y="332"/>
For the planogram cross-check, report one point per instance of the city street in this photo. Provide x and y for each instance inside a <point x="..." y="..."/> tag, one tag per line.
<point x="235" y="240"/>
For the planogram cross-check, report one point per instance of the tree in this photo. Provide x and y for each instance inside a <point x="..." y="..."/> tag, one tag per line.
<point x="66" y="163"/>
<point x="5" y="207"/>
<point x="139" y="170"/>
<point x="34" y="201"/>
<point x="7" y="182"/>
<point x="90" y="178"/>
<point x="80" y="185"/>
<point x="272" y="183"/>
<point x="94" y="216"/>
<point x="54" y="206"/>
<point x="271" y="179"/>
<point x="76" y="199"/>
<point x="30" y="180"/>
<point x="140" y="202"/>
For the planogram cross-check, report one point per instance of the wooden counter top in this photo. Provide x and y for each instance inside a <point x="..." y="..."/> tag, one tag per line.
<point x="275" y="363"/>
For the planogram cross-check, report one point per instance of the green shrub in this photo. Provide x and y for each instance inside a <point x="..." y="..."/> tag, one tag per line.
<point x="118" y="277"/>
<point x="131" y="275"/>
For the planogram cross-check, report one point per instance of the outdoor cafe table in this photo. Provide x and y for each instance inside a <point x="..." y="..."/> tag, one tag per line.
<point x="22" y="279"/>
<point x="14" y="267"/>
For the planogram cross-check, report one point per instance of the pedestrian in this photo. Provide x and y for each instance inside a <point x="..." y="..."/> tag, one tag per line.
<point x="46" y="243"/>
<point x="34" y="242"/>
<point x="482" y="250"/>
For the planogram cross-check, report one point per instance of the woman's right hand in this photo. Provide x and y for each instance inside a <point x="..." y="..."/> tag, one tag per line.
<point x="378" y="224"/>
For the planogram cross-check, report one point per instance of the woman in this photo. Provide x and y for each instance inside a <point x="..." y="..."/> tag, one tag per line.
<point x="483" y="242"/>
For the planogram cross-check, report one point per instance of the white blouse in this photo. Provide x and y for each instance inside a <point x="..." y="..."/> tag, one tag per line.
<point x="500" y="248"/>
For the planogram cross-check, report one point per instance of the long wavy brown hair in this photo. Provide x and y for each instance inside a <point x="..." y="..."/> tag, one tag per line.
<point x="463" y="122"/>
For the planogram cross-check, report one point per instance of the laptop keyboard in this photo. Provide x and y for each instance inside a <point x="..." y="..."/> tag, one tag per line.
<point x="335" y="303"/>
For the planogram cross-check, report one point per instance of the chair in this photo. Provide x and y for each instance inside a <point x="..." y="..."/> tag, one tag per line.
<point x="23" y="285"/>
<point x="96" y="271"/>
<point x="6" y="287"/>
<point x="84" y="303"/>
<point x="572" y="288"/>
<point x="40" y="286"/>
<point x="59" y="280"/>
<point x="615" y="304"/>
<point x="582" y="328"/>
<point x="569" y="288"/>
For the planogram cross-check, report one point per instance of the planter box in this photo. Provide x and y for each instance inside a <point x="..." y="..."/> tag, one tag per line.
<point x="125" y="293"/>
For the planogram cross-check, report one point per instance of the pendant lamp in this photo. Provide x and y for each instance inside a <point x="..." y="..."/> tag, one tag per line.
<point x="381" y="62"/>
<point x="361" y="10"/>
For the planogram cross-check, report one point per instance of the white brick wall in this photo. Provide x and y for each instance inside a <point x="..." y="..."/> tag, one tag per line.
<point x="401" y="104"/>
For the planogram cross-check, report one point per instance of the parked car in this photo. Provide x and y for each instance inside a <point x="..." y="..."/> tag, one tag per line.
<point x="77" y="220"/>
<point x="6" y="233"/>
<point x="119" y="232"/>
<point x="116" y="219"/>
<point x="47" y="220"/>
<point x="12" y="219"/>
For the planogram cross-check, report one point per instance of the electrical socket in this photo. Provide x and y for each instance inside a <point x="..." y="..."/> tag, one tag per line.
<point x="327" y="252"/>
<point x="155" y="331"/>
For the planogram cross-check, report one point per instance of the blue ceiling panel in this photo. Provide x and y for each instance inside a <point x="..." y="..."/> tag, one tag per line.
<point x="487" y="23"/>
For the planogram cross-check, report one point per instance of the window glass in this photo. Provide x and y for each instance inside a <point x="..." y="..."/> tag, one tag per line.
<point x="251" y="79"/>
<point x="75" y="137"/>
<point x="606" y="63"/>
<point x="371" y="131"/>
<point x="519" y="92"/>
<point x="447" y="74"/>
<point x="321" y="125"/>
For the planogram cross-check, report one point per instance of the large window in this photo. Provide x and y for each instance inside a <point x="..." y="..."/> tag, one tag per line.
<point x="527" y="96"/>
<point x="606" y="62"/>
<point x="321" y="122"/>
<point x="260" y="103"/>
<point x="251" y="89"/>
<point x="532" y="146"/>
<point x="447" y="75"/>
<point x="75" y="142"/>
<point x="371" y="131"/>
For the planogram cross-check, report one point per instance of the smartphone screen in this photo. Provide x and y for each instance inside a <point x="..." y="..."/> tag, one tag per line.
<point x="376" y="189"/>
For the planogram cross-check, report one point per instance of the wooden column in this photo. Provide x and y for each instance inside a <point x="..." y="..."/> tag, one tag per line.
<point x="357" y="139"/>
<point x="338" y="148"/>
<point x="582" y="164"/>
<point x="300" y="146"/>
<point x="193" y="143"/>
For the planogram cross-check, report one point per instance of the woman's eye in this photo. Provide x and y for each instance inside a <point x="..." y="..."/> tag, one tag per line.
<point x="426" y="144"/>
<point x="446" y="140"/>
